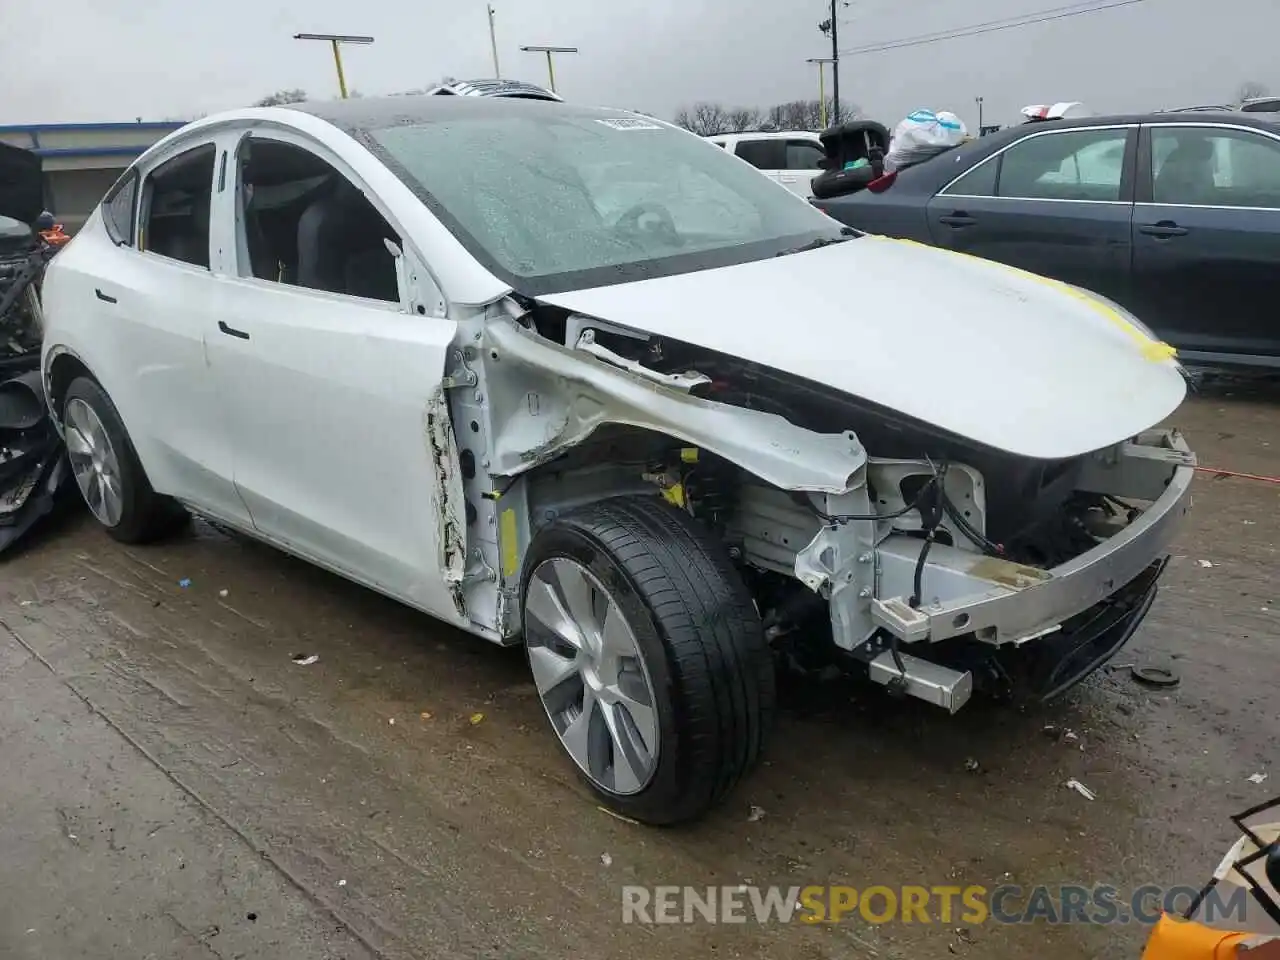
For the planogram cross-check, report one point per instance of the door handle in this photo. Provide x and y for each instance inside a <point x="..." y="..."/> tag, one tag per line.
<point x="957" y="219"/>
<point x="1163" y="230"/>
<point x="105" y="298"/>
<point x="232" y="331"/>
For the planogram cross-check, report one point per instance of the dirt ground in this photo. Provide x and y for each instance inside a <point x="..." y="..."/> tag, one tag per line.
<point x="174" y="786"/>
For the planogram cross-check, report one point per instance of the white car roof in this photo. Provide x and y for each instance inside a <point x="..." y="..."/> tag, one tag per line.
<point x="765" y="134"/>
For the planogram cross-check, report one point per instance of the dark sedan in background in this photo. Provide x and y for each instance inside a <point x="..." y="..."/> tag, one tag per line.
<point x="1174" y="216"/>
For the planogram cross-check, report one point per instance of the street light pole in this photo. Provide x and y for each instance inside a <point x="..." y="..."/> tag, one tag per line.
<point x="335" y="39"/>
<point x="551" y="69"/>
<point x="835" y="61"/>
<point x="493" y="42"/>
<point x="978" y="100"/>
<point x="822" y="87"/>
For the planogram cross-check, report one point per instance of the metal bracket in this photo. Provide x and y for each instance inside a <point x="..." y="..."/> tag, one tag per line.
<point x="684" y="382"/>
<point x="479" y="571"/>
<point x="459" y="375"/>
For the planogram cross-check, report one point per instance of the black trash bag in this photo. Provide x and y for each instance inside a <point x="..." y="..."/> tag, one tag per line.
<point x="847" y="144"/>
<point x="33" y="460"/>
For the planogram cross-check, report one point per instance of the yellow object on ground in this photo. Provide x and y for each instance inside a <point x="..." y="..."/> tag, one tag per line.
<point x="1174" y="939"/>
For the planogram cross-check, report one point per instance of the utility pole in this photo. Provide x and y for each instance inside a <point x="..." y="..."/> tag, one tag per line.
<point x="493" y="42"/>
<point x="822" y="87"/>
<point x="835" y="64"/>
<point x="551" y="69"/>
<point x="334" y="39"/>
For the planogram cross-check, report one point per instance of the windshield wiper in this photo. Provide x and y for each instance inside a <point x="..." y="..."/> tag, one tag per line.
<point x="846" y="233"/>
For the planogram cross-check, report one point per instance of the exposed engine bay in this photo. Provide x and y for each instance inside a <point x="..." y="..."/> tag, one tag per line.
<point x="955" y="552"/>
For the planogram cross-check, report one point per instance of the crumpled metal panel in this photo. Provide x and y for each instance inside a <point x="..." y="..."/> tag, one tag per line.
<point x="552" y="398"/>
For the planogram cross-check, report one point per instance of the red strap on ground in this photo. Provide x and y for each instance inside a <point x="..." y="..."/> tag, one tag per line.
<point x="1235" y="473"/>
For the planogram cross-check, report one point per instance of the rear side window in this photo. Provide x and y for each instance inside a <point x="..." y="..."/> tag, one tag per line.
<point x="1072" y="165"/>
<point x="803" y="155"/>
<point x="119" y="209"/>
<point x="978" y="182"/>
<point x="176" y="207"/>
<point x="764" y="154"/>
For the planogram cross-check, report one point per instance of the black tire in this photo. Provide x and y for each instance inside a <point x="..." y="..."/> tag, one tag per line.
<point x="699" y="635"/>
<point x="145" y="515"/>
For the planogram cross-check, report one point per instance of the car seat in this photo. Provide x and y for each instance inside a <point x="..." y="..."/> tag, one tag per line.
<point x="1186" y="175"/>
<point x="341" y="248"/>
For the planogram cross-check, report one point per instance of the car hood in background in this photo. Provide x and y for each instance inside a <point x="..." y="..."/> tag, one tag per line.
<point x="999" y="356"/>
<point x="21" y="184"/>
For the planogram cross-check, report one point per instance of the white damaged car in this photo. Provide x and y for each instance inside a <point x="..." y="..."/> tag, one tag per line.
<point x="575" y="378"/>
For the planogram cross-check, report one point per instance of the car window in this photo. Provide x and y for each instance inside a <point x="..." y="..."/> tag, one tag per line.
<point x="803" y="155"/>
<point x="1071" y="165"/>
<point x="175" y="207"/>
<point x="561" y="200"/>
<point x="1214" y="167"/>
<point x="119" y="208"/>
<point x="978" y="182"/>
<point x="763" y="154"/>
<point x="303" y="223"/>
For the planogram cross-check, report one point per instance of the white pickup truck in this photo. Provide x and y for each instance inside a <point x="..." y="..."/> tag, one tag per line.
<point x="789" y="157"/>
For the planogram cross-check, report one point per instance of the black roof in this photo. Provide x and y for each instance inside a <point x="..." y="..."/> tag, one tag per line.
<point x="1260" y="120"/>
<point x="372" y="113"/>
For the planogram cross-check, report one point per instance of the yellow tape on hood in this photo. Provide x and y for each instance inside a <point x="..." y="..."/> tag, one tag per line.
<point x="1153" y="350"/>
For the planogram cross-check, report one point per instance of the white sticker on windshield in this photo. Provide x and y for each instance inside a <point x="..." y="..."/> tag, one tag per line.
<point x="629" y="123"/>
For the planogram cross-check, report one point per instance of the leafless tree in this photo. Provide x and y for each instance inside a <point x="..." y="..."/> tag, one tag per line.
<point x="808" y="114"/>
<point x="704" y="119"/>
<point x="742" y="118"/>
<point x="709" y="118"/>
<point x="1250" y="89"/>
<point x="282" y="96"/>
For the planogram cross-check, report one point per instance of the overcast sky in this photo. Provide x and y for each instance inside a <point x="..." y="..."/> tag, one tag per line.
<point x="88" y="60"/>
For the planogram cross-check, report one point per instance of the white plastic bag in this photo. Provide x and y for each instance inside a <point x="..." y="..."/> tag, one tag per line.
<point x="921" y="135"/>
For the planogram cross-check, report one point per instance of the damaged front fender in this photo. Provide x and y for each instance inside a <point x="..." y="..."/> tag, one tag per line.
<point x="551" y="398"/>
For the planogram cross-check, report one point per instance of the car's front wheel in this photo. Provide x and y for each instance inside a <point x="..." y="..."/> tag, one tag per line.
<point x="648" y="655"/>
<point x="107" y="470"/>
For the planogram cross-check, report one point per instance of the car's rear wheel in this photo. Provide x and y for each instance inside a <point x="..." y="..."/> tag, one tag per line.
<point x="107" y="470"/>
<point x="648" y="655"/>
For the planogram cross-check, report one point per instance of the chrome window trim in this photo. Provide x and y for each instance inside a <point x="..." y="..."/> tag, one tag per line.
<point x="1105" y="203"/>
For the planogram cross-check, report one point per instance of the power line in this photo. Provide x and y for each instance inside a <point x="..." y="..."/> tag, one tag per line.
<point x="977" y="29"/>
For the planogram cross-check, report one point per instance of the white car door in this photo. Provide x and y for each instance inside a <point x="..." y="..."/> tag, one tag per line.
<point x="800" y="166"/>
<point x="328" y="384"/>
<point x="153" y="290"/>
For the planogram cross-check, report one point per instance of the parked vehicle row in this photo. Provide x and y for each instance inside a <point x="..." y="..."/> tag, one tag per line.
<point x="1174" y="216"/>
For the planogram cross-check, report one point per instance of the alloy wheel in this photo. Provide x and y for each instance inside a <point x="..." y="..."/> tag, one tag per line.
<point x="591" y="676"/>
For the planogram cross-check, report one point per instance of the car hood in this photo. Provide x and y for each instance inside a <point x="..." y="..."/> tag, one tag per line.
<point x="1002" y="357"/>
<point x="21" y="184"/>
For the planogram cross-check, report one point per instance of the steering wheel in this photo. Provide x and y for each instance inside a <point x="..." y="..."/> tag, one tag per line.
<point x="651" y="219"/>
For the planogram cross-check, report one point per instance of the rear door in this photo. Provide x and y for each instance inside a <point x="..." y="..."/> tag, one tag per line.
<point x="155" y="289"/>
<point x="766" y="154"/>
<point x="800" y="164"/>
<point x="1206" y="238"/>
<point x="1057" y="203"/>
